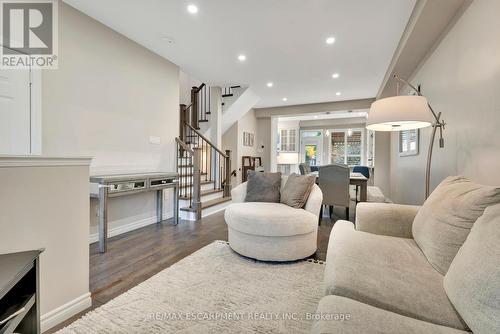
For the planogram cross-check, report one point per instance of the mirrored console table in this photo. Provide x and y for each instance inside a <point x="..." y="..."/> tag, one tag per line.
<point x="127" y="184"/>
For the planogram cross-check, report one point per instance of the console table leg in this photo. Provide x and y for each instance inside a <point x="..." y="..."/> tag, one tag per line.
<point x="103" y="219"/>
<point x="176" y="205"/>
<point x="159" y="206"/>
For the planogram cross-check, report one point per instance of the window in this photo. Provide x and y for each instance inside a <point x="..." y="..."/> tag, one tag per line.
<point x="288" y="139"/>
<point x="408" y="142"/>
<point x="346" y="147"/>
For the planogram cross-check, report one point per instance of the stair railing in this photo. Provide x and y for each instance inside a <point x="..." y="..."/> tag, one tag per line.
<point x="200" y="105"/>
<point x="209" y="164"/>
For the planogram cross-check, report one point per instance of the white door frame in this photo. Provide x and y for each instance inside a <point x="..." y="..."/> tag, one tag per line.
<point x="36" y="112"/>
<point x="311" y="140"/>
<point x="35" y="116"/>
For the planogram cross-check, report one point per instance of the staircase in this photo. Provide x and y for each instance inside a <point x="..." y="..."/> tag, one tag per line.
<point x="204" y="170"/>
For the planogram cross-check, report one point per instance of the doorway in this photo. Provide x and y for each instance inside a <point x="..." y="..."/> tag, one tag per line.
<point x="311" y="147"/>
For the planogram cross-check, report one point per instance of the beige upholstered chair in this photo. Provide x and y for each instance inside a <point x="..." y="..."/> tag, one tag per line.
<point x="272" y="231"/>
<point x="334" y="183"/>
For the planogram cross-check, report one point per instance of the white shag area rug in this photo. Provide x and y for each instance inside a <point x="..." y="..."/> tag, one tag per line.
<point x="214" y="290"/>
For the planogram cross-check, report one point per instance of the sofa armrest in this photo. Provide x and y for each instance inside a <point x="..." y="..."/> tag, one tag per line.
<point x="239" y="193"/>
<point x="314" y="201"/>
<point x="386" y="219"/>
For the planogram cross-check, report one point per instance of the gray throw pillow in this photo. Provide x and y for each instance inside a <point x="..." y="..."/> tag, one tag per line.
<point x="297" y="189"/>
<point x="473" y="281"/>
<point x="444" y="221"/>
<point x="263" y="187"/>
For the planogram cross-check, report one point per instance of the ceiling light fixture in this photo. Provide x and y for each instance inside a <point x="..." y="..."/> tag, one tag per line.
<point x="330" y="40"/>
<point x="315" y="116"/>
<point x="192" y="9"/>
<point x="285" y="99"/>
<point x="269" y="84"/>
<point x="338" y="93"/>
<point x="242" y="57"/>
<point x="335" y="75"/>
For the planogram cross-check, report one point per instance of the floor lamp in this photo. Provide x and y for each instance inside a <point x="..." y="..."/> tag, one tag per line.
<point x="410" y="112"/>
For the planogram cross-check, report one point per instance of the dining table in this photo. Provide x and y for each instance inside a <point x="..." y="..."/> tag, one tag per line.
<point x="355" y="179"/>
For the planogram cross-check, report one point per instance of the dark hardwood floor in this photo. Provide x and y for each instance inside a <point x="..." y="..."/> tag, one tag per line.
<point x="135" y="256"/>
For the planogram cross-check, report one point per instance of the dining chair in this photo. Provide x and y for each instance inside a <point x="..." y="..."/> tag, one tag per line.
<point x="304" y="168"/>
<point x="333" y="181"/>
<point x="362" y="170"/>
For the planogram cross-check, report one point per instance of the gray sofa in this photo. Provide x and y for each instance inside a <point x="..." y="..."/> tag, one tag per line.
<point x="397" y="273"/>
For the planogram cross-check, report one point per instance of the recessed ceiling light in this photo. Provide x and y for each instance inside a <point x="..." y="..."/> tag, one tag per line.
<point x="330" y="40"/>
<point x="192" y="9"/>
<point x="242" y="57"/>
<point x="338" y="93"/>
<point x="269" y="84"/>
<point x="335" y="75"/>
<point x="315" y="116"/>
<point x="285" y="99"/>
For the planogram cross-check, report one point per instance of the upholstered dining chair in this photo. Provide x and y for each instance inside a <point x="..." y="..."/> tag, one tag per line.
<point x="304" y="168"/>
<point x="333" y="181"/>
<point x="362" y="170"/>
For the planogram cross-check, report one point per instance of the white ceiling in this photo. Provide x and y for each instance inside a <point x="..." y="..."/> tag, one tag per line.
<point x="283" y="40"/>
<point x="327" y="115"/>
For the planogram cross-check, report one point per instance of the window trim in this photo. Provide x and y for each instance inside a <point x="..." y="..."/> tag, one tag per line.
<point x="345" y="130"/>
<point x="409" y="152"/>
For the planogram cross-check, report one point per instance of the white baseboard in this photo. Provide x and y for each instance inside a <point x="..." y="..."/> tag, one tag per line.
<point x="66" y="311"/>
<point x="127" y="227"/>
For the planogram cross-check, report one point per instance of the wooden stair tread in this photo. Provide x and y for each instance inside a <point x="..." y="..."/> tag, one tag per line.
<point x="189" y="175"/>
<point x="213" y="202"/>
<point x="210" y="203"/>
<point x="190" y="185"/>
<point x="205" y="193"/>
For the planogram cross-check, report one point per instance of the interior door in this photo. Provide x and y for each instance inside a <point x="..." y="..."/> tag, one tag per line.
<point x="311" y="147"/>
<point x="15" y="113"/>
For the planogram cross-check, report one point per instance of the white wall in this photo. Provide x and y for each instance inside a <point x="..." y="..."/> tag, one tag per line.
<point x="462" y="80"/>
<point x="233" y="140"/>
<point x="186" y="82"/>
<point x="248" y="123"/>
<point x="263" y="138"/>
<point x="44" y="203"/>
<point x="107" y="98"/>
<point x="230" y="142"/>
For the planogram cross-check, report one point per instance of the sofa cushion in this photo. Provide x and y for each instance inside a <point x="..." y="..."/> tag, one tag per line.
<point x="263" y="187"/>
<point x="337" y="314"/>
<point x="473" y="280"/>
<point x="296" y="190"/>
<point x="387" y="272"/>
<point x="444" y="221"/>
<point x="270" y="219"/>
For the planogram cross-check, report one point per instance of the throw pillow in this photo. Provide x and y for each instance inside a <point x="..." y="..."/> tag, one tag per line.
<point x="263" y="187"/>
<point x="444" y="221"/>
<point x="473" y="281"/>
<point x="297" y="189"/>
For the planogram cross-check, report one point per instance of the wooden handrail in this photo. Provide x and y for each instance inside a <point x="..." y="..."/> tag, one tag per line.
<point x="208" y="141"/>
<point x="200" y="88"/>
<point x="184" y="146"/>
